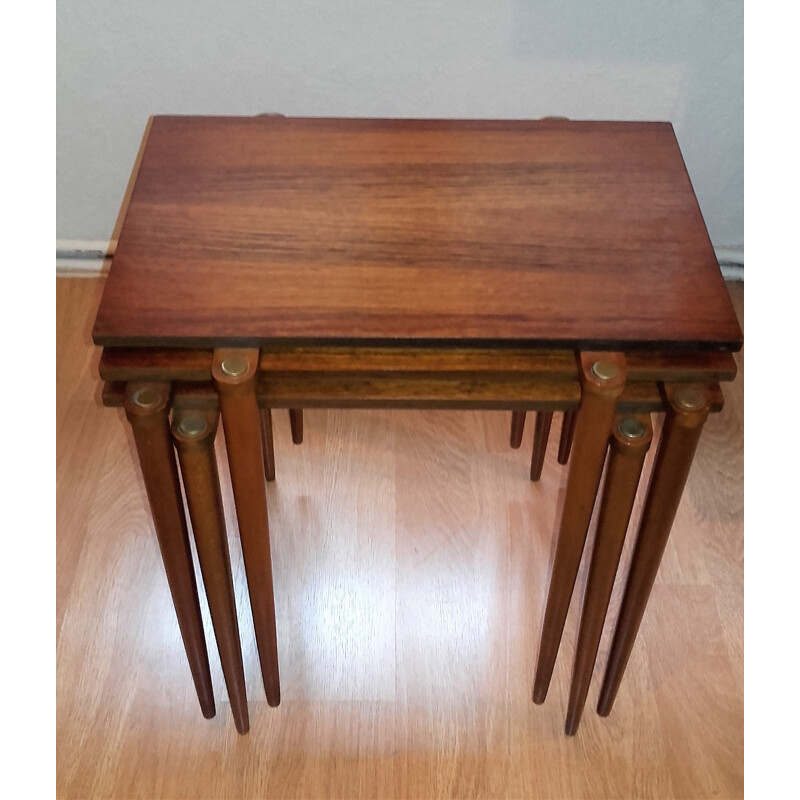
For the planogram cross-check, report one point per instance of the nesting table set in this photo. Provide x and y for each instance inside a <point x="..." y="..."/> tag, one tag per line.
<point x="550" y="266"/>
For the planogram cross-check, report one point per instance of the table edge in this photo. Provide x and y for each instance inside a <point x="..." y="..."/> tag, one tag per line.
<point x="621" y="345"/>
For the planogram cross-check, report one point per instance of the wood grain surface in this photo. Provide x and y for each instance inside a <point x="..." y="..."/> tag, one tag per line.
<point x="248" y="230"/>
<point x="411" y="556"/>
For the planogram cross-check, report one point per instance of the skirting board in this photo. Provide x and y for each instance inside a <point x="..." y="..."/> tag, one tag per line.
<point x="731" y="262"/>
<point x="83" y="257"/>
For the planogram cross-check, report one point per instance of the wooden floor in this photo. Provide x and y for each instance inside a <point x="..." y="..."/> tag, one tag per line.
<point x="411" y="556"/>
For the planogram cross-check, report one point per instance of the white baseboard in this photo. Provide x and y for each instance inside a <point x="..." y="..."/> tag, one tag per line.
<point x="82" y="256"/>
<point x="731" y="262"/>
<point x="732" y="273"/>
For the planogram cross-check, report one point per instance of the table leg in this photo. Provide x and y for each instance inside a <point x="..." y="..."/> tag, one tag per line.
<point x="541" y="434"/>
<point x="268" y="444"/>
<point x="687" y="411"/>
<point x="630" y="440"/>
<point x="193" y="431"/>
<point x="517" y="427"/>
<point x="234" y="372"/>
<point x="567" y="432"/>
<point x="602" y="380"/>
<point x="296" y="421"/>
<point x="146" y="407"/>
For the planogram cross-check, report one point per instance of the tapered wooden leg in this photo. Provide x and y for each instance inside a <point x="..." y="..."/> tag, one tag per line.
<point x="517" y="427"/>
<point x="146" y="407"/>
<point x="630" y="440"/>
<point x="267" y="444"/>
<point x="602" y="381"/>
<point x="194" y="432"/>
<point x="567" y="432"/>
<point x="687" y="411"/>
<point x="234" y="372"/>
<point x="541" y="434"/>
<point x="296" y="421"/>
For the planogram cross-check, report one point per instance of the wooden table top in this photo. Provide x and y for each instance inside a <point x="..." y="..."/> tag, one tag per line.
<point x="253" y="230"/>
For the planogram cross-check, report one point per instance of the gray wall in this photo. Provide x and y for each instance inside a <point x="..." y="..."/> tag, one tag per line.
<point x="120" y="61"/>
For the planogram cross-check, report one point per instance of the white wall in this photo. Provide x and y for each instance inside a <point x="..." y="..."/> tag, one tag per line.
<point x="120" y="61"/>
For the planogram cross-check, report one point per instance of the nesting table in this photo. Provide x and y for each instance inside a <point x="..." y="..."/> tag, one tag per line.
<point x="270" y="262"/>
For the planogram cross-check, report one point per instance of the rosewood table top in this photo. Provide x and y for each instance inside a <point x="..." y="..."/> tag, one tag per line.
<point x="251" y="231"/>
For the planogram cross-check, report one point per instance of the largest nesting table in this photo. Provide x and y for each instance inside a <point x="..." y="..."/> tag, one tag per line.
<point x="542" y="265"/>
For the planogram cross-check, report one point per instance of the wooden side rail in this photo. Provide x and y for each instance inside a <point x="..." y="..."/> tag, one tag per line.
<point x="636" y="398"/>
<point x="121" y="364"/>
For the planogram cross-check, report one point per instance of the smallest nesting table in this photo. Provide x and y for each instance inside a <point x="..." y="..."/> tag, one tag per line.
<point x="549" y="265"/>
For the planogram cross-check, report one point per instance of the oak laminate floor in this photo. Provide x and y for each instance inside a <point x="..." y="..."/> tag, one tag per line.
<point x="411" y="556"/>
